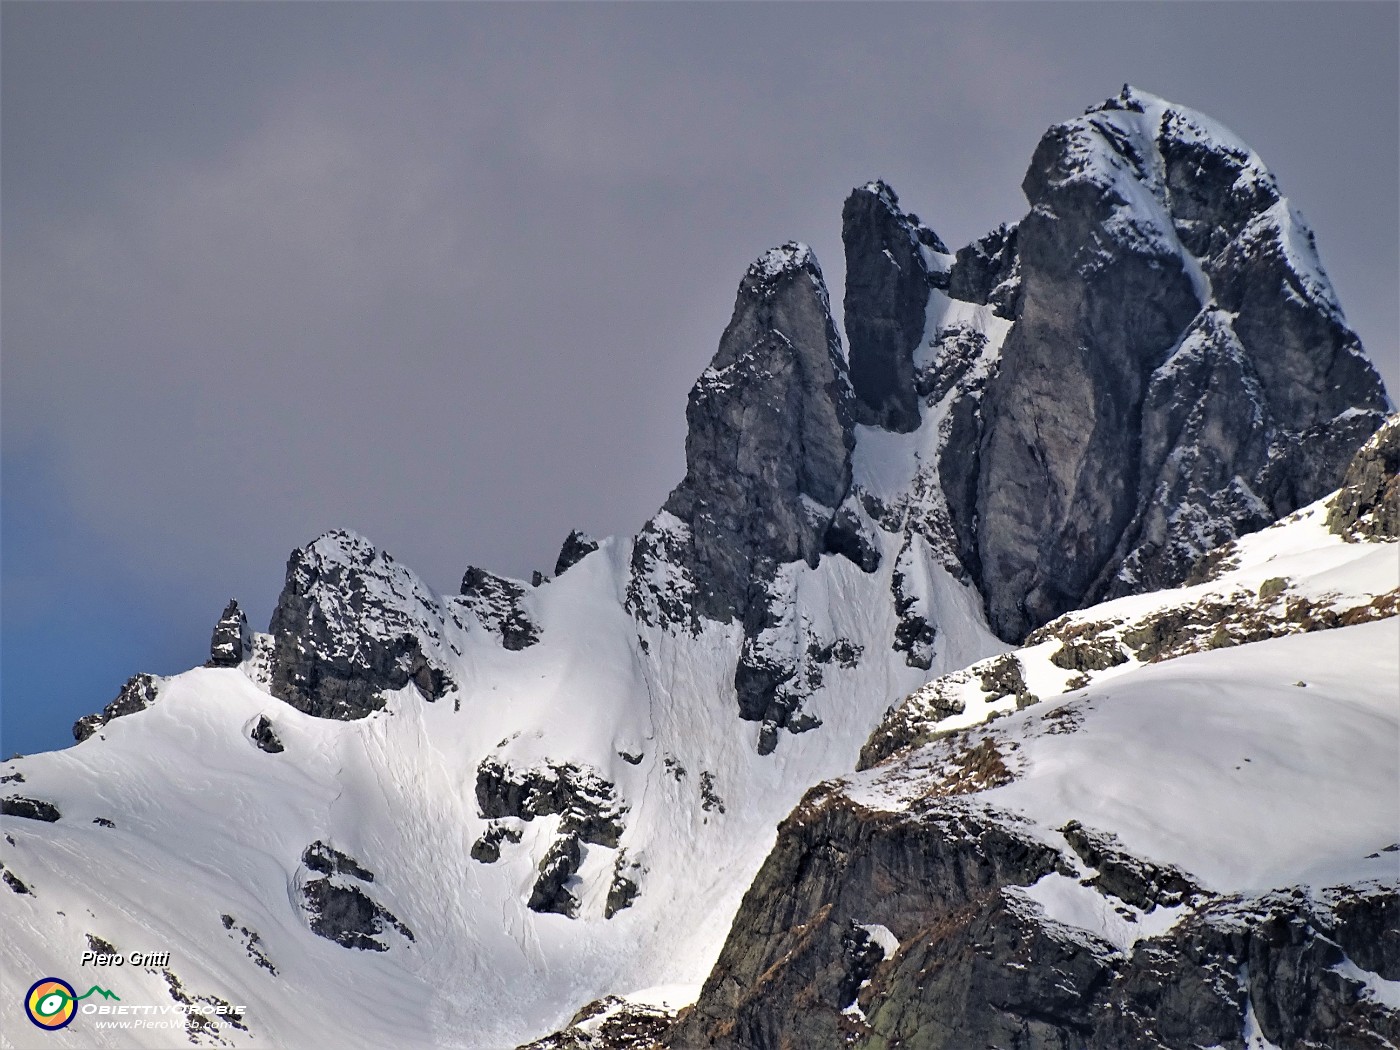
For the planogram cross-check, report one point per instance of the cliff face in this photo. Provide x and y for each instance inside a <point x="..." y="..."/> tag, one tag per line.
<point x="768" y="445"/>
<point x="926" y="932"/>
<point x="1167" y="821"/>
<point x="891" y="263"/>
<point x="1179" y="372"/>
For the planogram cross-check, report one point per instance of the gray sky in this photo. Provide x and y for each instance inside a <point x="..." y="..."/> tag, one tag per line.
<point x="444" y="273"/>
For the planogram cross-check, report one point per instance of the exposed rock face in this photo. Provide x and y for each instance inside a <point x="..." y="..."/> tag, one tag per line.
<point x="498" y="605"/>
<point x="769" y="442"/>
<point x="588" y="801"/>
<point x="487" y="848"/>
<point x="29" y="808"/>
<point x="625" y="885"/>
<point x="977" y="963"/>
<point x="1179" y="371"/>
<point x="988" y="272"/>
<point x="346" y="915"/>
<point x="328" y="860"/>
<point x="1368" y="505"/>
<point x="610" y="1023"/>
<point x="266" y="737"/>
<point x="887" y="290"/>
<point x="252" y="944"/>
<point x="553" y="891"/>
<point x="337" y="909"/>
<point x="350" y="624"/>
<point x="232" y="640"/>
<point x="819" y="880"/>
<point x="16" y="884"/>
<point x="577" y="545"/>
<point x="768" y="465"/>
<point x="591" y="813"/>
<point x="137" y="694"/>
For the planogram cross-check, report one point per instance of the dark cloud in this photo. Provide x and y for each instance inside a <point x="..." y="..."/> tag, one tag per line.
<point x="444" y="273"/>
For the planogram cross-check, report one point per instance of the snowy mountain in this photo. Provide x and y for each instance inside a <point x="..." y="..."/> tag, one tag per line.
<point x="1168" y="820"/>
<point x="406" y="818"/>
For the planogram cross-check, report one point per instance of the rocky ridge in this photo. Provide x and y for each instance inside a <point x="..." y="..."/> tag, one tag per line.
<point x="1179" y="372"/>
<point x="846" y="526"/>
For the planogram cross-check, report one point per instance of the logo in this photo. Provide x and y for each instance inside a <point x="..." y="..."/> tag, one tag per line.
<point x="51" y="1003"/>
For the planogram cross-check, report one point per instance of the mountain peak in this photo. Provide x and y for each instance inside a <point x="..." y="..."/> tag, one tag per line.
<point x="793" y="255"/>
<point x="1078" y="406"/>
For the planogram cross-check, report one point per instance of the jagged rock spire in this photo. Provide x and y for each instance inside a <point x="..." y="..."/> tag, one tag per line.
<point x="888" y="277"/>
<point x="768" y="449"/>
<point x="232" y="641"/>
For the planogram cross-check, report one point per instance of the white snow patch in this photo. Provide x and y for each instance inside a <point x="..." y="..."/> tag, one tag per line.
<point x="1069" y="902"/>
<point x="1377" y="988"/>
<point x="881" y="935"/>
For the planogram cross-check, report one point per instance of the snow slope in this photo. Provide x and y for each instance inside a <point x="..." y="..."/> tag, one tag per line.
<point x="1293" y="577"/>
<point x="207" y="824"/>
<point x="1272" y="764"/>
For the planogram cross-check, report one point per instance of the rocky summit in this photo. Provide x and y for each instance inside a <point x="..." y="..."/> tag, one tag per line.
<point x="1019" y="672"/>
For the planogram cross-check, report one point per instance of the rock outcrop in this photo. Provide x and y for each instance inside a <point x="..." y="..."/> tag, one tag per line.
<point x="232" y="641"/>
<point x="137" y="694"/>
<point x="338" y="909"/>
<point x="590" y="812"/>
<point x="351" y="624"/>
<point x="587" y="802"/>
<point x="577" y="545"/>
<point x="610" y="1023"/>
<point x="1368" y="505"/>
<point x="971" y="960"/>
<point x="1179" y="371"/>
<point x="265" y="736"/>
<point x="768" y="466"/>
<point x="29" y="808"/>
<point x="888" y="277"/>
<point x="499" y="606"/>
<point x="988" y="272"/>
<point x="769" y="439"/>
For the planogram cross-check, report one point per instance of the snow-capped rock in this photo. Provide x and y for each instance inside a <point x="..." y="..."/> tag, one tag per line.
<point x="352" y="624"/>
<point x="139" y="693"/>
<point x="232" y="641"/>
<point x="484" y="810"/>
<point x="1179" y="372"/>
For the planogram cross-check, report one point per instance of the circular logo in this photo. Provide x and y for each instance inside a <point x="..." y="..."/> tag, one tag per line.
<point x="50" y="1003"/>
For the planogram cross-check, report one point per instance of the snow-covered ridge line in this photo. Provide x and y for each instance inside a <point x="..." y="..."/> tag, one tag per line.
<point x="1294" y="577"/>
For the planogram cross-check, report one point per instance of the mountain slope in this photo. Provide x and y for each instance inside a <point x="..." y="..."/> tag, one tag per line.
<point x="409" y="818"/>
<point x="1168" y="821"/>
<point x="1175" y="858"/>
